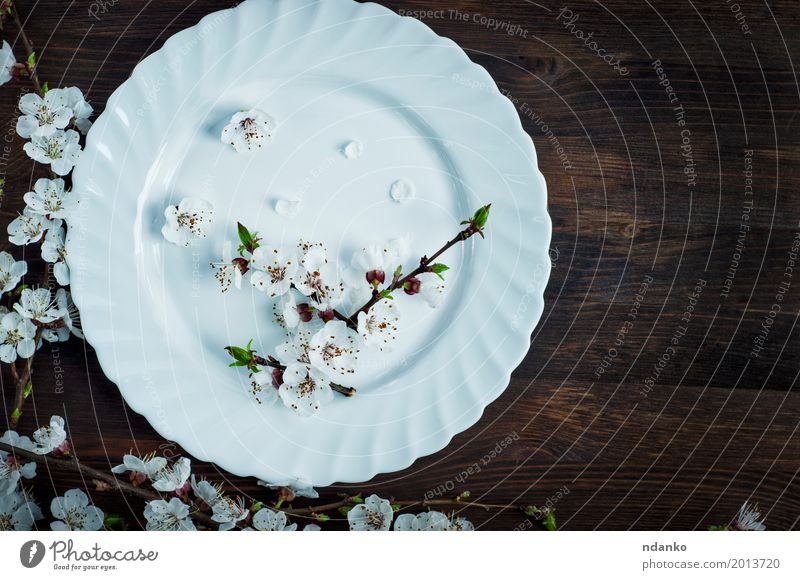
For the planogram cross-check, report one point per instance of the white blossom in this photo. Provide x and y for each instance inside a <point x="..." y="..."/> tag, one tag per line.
<point x="319" y="278"/>
<point x="7" y="62"/>
<point x="286" y="312"/>
<point x="190" y="219"/>
<point x="17" y="512"/>
<point x="55" y="252"/>
<point x="374" y="515"/>
<point x="248" y="129"/>
<point x="431" y="289"/>
<point x="304" y="389"/>
<point x="266" y="520"/>
<point x="73" y="513"/>
<point x="298" y="487"/>
<point x="60" y="150"/>
<point x="140" y="468"/>
<point x="50" y="199"/>
<point x="51" y="437"/>
<point x="402" y="191"/>
<point x="431" y="521"/>
<point x="262" y="387"/>
<point x="334" y="348"/>
<point x="81" y="110"/>
<point x="43" y="116"/>
<point x="378" y="326"/>
<point x="70" y="322"/>
<point x="312" y="528"/>
<point x="288" y="206"/>
<point x="386" y="258"/>
<point x="11" y="469"/>
<point x="749" y="519"/>
<point x="205" y="491"/>
<point x="11" y="272"/>
<point x="228" y="512"/>
<point x="296" y="349"/>
<point x="227" y="272"/>
<point x="274" y="270"/>
<point x="38" y="304"/>
<point x="461" y="525"/>
<point x="17" y="336"/>
<point x="27" y="228"/>
<point x="171" y="516"/>
<point x="172" y="477"/>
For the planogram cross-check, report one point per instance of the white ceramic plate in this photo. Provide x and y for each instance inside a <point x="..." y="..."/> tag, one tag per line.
<point x="328" y="71"/>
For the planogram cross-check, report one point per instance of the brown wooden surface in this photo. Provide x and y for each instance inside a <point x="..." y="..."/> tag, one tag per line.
<point x="720" y="427"/>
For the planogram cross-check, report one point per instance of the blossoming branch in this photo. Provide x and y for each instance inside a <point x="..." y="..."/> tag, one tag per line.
<point x="322" y="344"/>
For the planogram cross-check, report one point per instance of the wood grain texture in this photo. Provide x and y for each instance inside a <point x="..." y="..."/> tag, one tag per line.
<point x="719" y="426"/>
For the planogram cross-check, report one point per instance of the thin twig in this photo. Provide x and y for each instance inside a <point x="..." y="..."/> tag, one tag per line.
<point x="265" y="362"/>
<point x="28" y="50"/>
<point x="75" y="466"/>
<point x="21" y="383"/>
<point x="424" y="266"/>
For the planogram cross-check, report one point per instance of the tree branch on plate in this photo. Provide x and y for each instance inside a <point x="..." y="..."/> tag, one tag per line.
<point x="322" y="344"/>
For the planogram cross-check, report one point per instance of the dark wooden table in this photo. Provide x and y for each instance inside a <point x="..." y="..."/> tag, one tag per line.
<point x="640" y="420"/>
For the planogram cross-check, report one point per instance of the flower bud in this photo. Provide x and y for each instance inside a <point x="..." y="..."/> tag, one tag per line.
<point x="376" y="277"/>
<point x="242" y="265"/>
<point x="412" y="286"/>
<point x="305" y="312"/>
<point x="326" y="315"/>
<point x="277" y="378"/>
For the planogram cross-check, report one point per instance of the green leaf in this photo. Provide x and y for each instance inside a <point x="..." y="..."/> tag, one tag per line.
<point x="256" y="506"/>
<point x="719" y="528"/>
<point x="439" y="269"/>
<point x="482" y="216"/>
<point x="396" y="507"/>
<point x="32" y="60"/>
<point x="323" y="517"/>
<point x="113" y="521"/>
<point x="28" y="388"/>
<point x="387" y="294"/>
<point x="45" y="88"/>
<point x="16" y="414"/>
<point x="249" y="240"/>
<point x="357" y="498"/>
<point x="345" y="509"/>
<point x="550" y="521"/>
<point x="241" y="355"/>
<point x="532" y="511"/>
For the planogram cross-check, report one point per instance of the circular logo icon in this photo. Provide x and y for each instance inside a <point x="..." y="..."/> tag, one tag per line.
<point x="31" y="553"/>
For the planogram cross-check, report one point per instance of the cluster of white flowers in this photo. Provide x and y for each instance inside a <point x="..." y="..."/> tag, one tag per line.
<point x="40" y="314"/>
<point x="376" y="514"/>
<point x="18" y="508"/>
<point x="322" y="346"/>
<point x="46" y="121"/>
